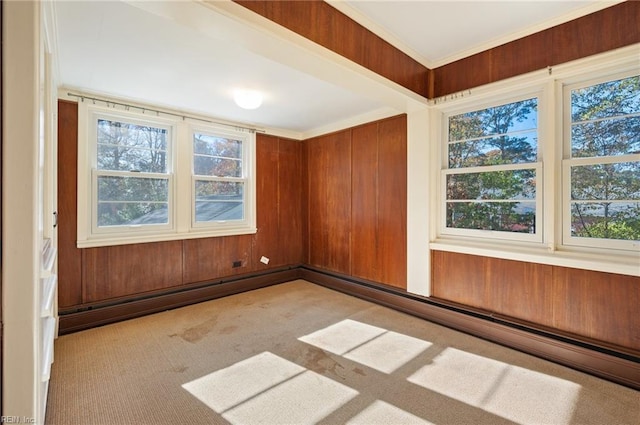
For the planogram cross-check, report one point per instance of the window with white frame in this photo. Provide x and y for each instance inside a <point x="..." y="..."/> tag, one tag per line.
<point x="491" y="170"/>
<point x="144" y="178"/>
<point x="544" y="167"/>
<point x="219" y="177"/>
<point x="131" y="175"/>
<point x="601" y="165"/>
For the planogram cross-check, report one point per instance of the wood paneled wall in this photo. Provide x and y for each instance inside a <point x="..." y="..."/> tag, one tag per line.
<point x="70" y="289"/>
<point x="95" y="275"/>
<point x="323" y="24"/>
<point x="357" y="201"/>
<point x="605" y="30"/>
<point x="337" y="202"/>
<point x="329" y="192"/>
<point x="596" y="305"/>
<point x="280" y="229"/>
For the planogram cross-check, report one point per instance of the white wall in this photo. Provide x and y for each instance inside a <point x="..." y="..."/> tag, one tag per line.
<point x="22" y="213"/>
<point x="418" y="190"/>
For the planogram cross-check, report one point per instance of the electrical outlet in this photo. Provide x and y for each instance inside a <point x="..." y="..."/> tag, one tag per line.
<point x="236" y="264"/>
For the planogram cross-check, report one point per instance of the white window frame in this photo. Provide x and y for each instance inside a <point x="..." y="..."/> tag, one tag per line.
<point x="554" y="248"/>
<point x="248" y="170"/>
<point x="181" y="208"/>
<point x="491" y="101"/>
<point x="568" y="162"/>
<point x="94" y="115"/>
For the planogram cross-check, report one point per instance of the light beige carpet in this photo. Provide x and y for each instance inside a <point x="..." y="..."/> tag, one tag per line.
<point x="298" y="353"/>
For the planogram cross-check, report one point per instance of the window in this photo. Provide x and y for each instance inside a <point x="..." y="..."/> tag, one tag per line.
<point x="219" y="178"/>
<point x="490" y="172"/>
<point x="602" y="163"/>
<point x="543" y="167"/>
<point x="149" y="178"/>
<point x="131" y="180"/>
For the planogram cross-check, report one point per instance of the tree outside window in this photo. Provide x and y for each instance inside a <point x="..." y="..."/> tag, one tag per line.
<point x="605" y="160"/>
<point x="491" y="175"/>
<point x="132" y="174"/>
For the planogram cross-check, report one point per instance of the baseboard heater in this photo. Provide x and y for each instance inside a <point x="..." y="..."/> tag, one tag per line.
<point x="98" y="314"/>
<point x="617" y="365"/>
<point x="620" y="366"/>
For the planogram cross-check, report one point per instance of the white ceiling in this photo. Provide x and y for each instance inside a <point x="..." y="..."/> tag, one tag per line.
<point x="438" y="32"/>
<point x="189" y="56"/>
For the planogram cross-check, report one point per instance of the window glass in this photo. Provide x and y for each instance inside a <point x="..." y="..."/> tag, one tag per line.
<point x="132" y="200"/>
<point x="131" y="174"/>
<point x="604" y="166"/>
<point x="217" y="200"/>
<point x="130" y="147"/>
<point x="220" y="196"/>
<point x="216" y="156"/>
<point x="488" y="184"/>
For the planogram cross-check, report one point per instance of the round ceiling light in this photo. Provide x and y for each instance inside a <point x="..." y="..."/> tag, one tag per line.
<point x="247" y="99"/>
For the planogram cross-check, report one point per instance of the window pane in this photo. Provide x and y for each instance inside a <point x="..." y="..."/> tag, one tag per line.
<point x="217" y="200"/>
<point x="494" y="185"/>
<point x="498" y="120"/>
<point x="130" y="147"/>
<point x="216" y="166"/>
<point x="619" y="181"/>
<point x="609" y="99"/>
<point x="494" y="150"/>
<point x="518" y="217"/>
<point x="217" y="156"/>
<point x="129" y="200"/>
<point x="618" y="136"/>
<point x="605" y="119"/>
<point x="606" y="220"/>
<point x="112" y="188"/>
<point x="132" y="213"/>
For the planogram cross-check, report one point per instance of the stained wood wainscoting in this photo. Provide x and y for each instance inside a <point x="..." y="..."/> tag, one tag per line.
<point x="598" y="306"/>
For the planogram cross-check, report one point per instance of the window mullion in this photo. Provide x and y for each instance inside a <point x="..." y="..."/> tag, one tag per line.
<point x="183" y="166"/>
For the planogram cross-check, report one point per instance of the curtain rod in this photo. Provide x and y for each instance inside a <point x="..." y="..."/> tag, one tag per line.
<point x="159" y="111"/>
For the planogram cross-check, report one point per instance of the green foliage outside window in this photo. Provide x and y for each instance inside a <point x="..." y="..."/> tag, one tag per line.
<point x="500" y="199"/>
<point x="605" y="196"/>
<point x="124" y="199"/>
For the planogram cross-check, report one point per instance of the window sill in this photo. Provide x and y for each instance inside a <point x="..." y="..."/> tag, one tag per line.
<point x="112" y="240"/>
<point x="605" y="261"/>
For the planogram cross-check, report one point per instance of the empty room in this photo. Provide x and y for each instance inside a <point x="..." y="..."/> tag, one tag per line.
<point x="334" y="212"/>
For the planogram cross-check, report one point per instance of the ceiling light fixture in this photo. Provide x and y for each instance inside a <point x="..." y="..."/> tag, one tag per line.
<point x="247" y="99"/>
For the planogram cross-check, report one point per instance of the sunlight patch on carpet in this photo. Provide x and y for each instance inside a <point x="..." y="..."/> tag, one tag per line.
<point x="512" y="392"/>
<point x="269" y="389"/>
<point x="383" y="413"/>
<point x="375" y="347"/>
